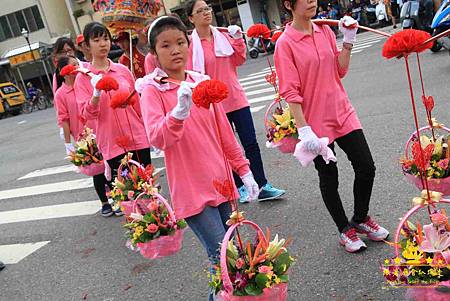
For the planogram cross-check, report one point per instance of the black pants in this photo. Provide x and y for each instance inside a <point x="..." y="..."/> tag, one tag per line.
<point x="142" y="156"/>
<point x="355" y="146"/>
<point x="99" y="185"/>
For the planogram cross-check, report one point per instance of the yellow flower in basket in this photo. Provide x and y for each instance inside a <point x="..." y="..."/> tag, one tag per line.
<point x="284" y="119"/>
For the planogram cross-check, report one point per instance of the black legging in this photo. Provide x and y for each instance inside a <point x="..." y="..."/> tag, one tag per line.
<point x="142" y="156"/>
<point x="99" y="185"/>
<point x="355" y="146"/>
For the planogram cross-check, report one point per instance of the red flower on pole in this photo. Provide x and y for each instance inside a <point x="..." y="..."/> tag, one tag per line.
<point x="271" y="78"/>
<point x="405" y="42"/>
<point x="259" y="30"/>
<point x="209" y="91"/>
<point x="107" y="83"/>
<point x="428" y="102"/>
<point x="276" y="36"/>
<point x="122" y="98"/>
<point x="123" y="141"/>
<point x="68" y="70"/>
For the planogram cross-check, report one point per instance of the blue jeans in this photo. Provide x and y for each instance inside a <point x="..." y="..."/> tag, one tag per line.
<point x="210" y="227"/>
<point x="243" y="123"/>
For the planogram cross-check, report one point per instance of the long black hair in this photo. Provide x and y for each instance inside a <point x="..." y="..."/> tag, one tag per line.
<point x="162" y="24"/>
<point x="94" y="30"/>
<point x="190" y="6"/>
<point x="292" y="2"/>
<point x="62" y="62"/>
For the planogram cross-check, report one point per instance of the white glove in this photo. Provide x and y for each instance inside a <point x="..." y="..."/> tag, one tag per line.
<point x="349" y="33"/>
<point x="183" y="107"/>
<point x="251" y="185"/>
<point x="69" y="148"/>
<point x="235" y="31"/>
<point x="61" y="134"/>
<point x="94" y="81"/>
<point x="309" y="140"/>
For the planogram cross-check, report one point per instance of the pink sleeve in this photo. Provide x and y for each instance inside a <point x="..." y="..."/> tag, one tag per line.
<point x="61" y="109"/>
<point x="240" y="50"/>
<point x="288" y="75"/>
<point x="232" y="150"/>
<point x="83" y="92"/>
<point x="162" y="129"/>
<point x="332" y="38"/>
<point x="54" y="84"/>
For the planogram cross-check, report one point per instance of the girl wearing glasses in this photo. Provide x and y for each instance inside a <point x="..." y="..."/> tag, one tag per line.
<point x="218" y="55"/>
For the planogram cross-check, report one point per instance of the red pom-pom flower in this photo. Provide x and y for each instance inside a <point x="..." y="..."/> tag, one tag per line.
<point x="405" y="42"/>
<point x="123" y="98"/>
<point x="259" y="30"/>
<point x="123" y="141"/>
<point x="107" y="83"/>
<point x="209" y="91"/>
<point x="68" y="70"/>
<point x="276" y="36"/>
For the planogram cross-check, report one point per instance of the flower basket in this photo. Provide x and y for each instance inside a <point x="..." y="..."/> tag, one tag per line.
<point x="422" y="256"/>
<point x="280" y="128"/>
<point x="163" y="234"/>
<point x="274" y="291"/>
<point x="438" y="169"/>
<point x="86" y="152"/>
<point x="93" y="169"/>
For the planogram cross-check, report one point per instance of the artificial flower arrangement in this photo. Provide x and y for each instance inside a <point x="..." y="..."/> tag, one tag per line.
<point x="254" y="268"/>
<point x="86" y="150"/>
<point x="281" y="127"/>
<point x="152" y="227"/>
<point x="132" y="179"/>
<point x="435" y="162"/>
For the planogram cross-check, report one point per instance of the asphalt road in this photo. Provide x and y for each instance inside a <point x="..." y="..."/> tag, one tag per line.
<point x="82" y="256"/>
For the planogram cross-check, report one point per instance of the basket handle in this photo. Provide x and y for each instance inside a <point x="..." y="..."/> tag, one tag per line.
<point x="266" y="115"/>
<point x="119" y="170"/>
<point x="228" y="286"/>
<point x="413" y="135"/>
<point x="162" y="200"/>
<point x="403" y="221"/>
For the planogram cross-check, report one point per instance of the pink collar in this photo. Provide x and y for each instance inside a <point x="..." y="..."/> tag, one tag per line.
<point x="296" y="35"/>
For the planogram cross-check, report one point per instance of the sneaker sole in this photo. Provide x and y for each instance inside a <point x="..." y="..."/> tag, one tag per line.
<point x="372" y="238"/>
<point x="272" y="197"/>
<point x="107" y="214"/>
<point x="351" y="250"/>
<point x="118" y="214"/>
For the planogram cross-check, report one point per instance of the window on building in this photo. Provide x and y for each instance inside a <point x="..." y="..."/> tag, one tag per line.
<point x="11" y="25"/>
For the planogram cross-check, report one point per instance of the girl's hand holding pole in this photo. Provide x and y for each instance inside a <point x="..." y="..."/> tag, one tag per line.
<point x="348" y="27"/>
<point x="94" y="81"/>
<point x="235" y="31"/>
<point x="183" y="107"/>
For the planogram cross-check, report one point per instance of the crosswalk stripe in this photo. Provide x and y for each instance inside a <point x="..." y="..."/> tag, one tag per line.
<point x="260" y="91"/>
<point x="11" y="254"/>
<point x="261" y="99"/>
<point x="51" y="188"/>
<point x="49" y="171"/>
<point x="244" y="84"/>
<point x="261" y="72"/>
<point x="256" y="109"/>
<point x="49" y="212"/>
<point x="251" y="77"/>
<point x="256" y="86"/>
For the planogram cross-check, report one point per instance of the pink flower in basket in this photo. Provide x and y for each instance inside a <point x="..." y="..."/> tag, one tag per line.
<point x="153" y="206"/>
<point x="152" y="228"/>
<point x="434" y="241"/>
<point x="265" y="269"/>
<point x="130" y="194"/>
<point x="240" y="263"/>
<point x="443" y="163"/>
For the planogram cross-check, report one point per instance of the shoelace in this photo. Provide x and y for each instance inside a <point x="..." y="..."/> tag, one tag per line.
<point x="351" y="234"/>
<point x="372" y="224"/>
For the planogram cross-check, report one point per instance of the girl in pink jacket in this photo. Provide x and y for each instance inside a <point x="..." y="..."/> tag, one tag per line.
<point x="310" y="68"/>
<point x="95" y="104"/>
<point x="187" y="134"/>
<point x="218" y="55"/>
<point x="71" y="122"/>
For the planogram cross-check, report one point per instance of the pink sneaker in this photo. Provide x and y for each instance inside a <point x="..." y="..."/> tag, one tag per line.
<point x="373" y="231"/>
<point x="351" y="242"/>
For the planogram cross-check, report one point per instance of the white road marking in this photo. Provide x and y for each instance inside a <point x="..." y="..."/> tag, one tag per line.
<point x="252" y="77"/>
<point x="46" y="188"/>
<point x="22" y="122"/>
<point x="257" y="109"/>
<point x="49" y="171"/>
<point x="253" y="82"/>
<point x="262" y="98"/>
<point x="260" y="91"/>
<point x="11" y="254"/>
<point x="256" y="86"/>
<point x="156" y="156"/>
<point x="49" y="212"/>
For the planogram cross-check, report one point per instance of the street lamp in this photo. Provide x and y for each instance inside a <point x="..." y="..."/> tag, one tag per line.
<point x="25" y="34"/>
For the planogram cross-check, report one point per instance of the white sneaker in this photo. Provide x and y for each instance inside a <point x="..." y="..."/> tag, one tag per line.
<point x="351" y="242"/>
<point x="373" y="231"/>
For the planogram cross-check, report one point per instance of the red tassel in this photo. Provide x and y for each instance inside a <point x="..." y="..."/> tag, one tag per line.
<point x="107" y="83"/>
<point x="68" y="70"/>
<point x="276" y="36"/>
<point x="122" y="98"/>
<point x="123" y="141"/>
<point x="209" y="91"/>
<point x="259" y="30"/>
<point x="405" y="42"/>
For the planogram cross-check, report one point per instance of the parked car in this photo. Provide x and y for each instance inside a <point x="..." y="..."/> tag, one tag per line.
<point x="12" y="99"/>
